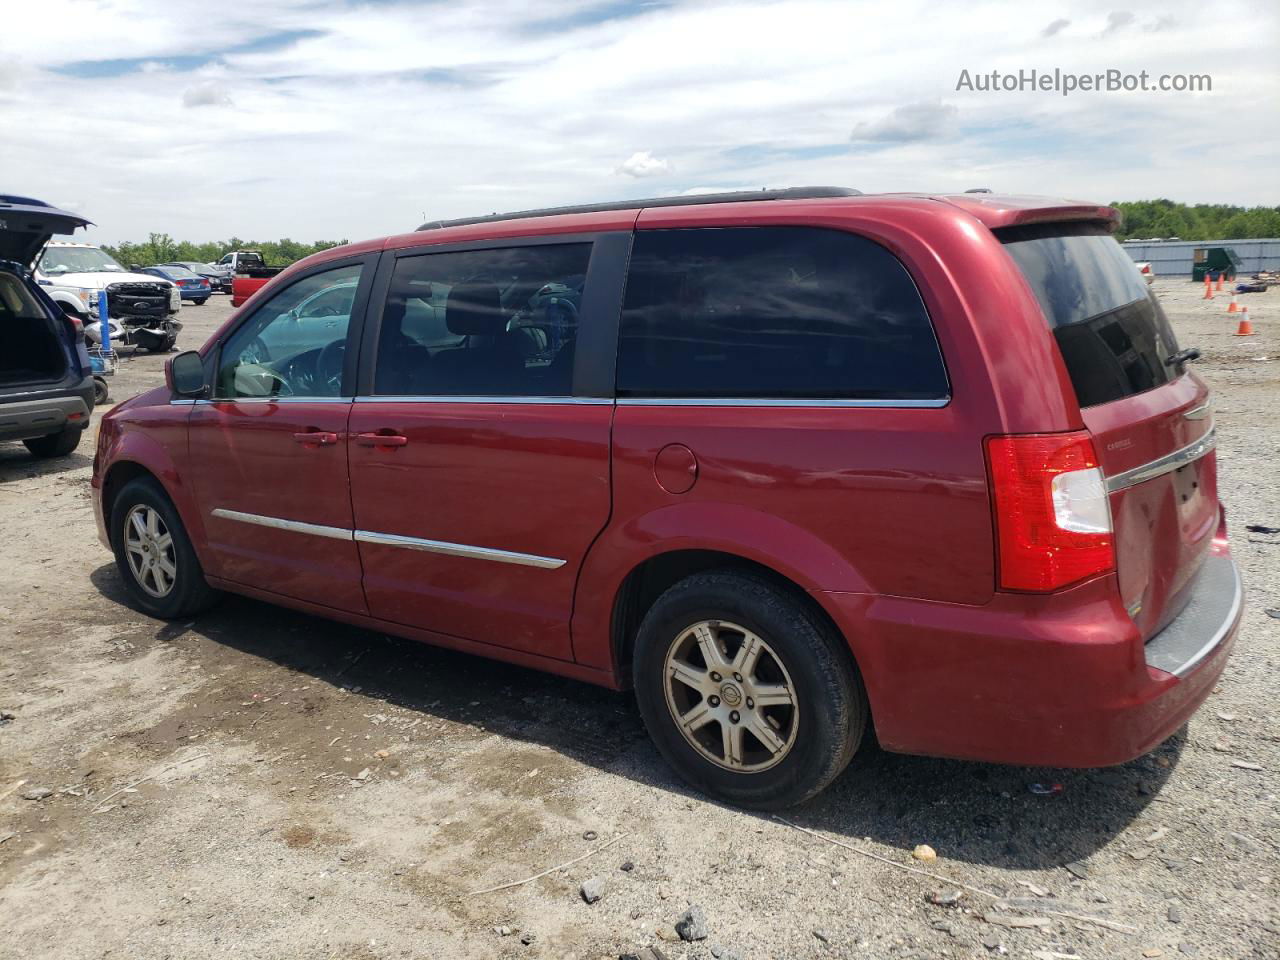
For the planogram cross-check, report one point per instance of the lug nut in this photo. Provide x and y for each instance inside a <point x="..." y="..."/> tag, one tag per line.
<point x="715" y="676"/>
<point x="751" y="704"/>
<point x="734" y="716"/>
<point x="738" y="677"/>
<point x="714" y="701"/>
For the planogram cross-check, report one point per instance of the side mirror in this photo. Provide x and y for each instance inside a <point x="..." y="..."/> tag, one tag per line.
<point x="184" y="373"/>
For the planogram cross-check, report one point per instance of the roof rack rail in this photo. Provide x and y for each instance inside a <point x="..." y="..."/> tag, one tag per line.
<point x="787" y="193"/>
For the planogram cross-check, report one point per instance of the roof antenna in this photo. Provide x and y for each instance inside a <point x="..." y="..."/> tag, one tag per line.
<point x="978" y="190"/>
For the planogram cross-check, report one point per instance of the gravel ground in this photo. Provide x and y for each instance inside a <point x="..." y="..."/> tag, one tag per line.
<point x="259" y="783"/>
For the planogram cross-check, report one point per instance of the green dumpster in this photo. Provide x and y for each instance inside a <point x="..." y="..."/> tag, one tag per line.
<point x="1215" y="261"/>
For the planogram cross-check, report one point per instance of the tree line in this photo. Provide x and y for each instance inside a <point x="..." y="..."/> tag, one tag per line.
<point x="1201" y="221"/>
<point x="162" y="248"/>
<point x="1142" y="218"/>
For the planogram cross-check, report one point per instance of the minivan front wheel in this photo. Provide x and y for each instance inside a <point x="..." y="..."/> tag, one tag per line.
<point x="747" y="694"/>
<point x="154" y="554"/>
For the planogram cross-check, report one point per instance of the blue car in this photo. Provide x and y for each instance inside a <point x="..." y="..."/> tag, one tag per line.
<point x="190" y="285"/>
<point x="46" y="382"/>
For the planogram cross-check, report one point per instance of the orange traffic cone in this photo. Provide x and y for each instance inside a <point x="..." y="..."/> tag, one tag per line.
<point x="1208" y="286"/>
<point x="1220" y="275"/>
<point x="1246" y="328"/>
<point x="1231" y="307"/>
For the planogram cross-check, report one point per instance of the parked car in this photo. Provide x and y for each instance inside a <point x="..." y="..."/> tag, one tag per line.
<point x="74" y="274"/>
<point x="218" y="281"/>
<point x="46" y="381"/>
<point x="802" y="462"/>
<point x="191" y="286"/>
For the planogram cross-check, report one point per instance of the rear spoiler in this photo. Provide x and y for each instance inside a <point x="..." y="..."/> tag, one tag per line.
<point x="996" y="211"/>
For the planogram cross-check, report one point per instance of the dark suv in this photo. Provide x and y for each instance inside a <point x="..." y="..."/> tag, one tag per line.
<point x="790" y="464"/>
<point x="46" y="387"/>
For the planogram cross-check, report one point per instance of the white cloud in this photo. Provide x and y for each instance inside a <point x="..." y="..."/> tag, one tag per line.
<point x="1056" y="27"/>
<point x="644" y="164"/>
<point x="1117" y="20"/>
<point x="382" y="111"/>
<point x="910" y="122"/>
<point x="207" y="94"/>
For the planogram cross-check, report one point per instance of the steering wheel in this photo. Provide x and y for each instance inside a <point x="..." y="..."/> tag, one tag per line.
<point x="330" y="362"/>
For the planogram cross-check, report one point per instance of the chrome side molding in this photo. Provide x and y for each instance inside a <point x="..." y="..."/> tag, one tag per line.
<point x="394" y="540"/>
<point x="1166" y="464"/>
<point x="276" y="523"/>
<point x="458" y="549"/>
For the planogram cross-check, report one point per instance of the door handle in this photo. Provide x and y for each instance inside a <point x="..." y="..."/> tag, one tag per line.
<point x="316" y="438"/>
<point x="381" y="439"/>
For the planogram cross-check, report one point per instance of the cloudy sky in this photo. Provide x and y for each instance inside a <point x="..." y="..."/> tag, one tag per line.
<point x="324" y="119"/>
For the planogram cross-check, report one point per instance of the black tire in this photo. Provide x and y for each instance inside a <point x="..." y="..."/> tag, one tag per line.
<point x="100" y="392"/>
<point x="200" y="302"/>
<point x="56" y="444"/>
<point x="831" y="705"/>
<point x="189" y="593"/>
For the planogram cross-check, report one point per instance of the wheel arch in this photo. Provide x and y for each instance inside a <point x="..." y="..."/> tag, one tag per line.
<point x="142" y="457"/>
<point x="651" y="577"/>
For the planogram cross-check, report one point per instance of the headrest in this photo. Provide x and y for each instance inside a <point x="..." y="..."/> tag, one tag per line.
<point x="475" y="309"/>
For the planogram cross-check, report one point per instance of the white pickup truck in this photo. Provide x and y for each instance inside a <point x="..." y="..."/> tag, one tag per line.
<point x="143" y="308"/>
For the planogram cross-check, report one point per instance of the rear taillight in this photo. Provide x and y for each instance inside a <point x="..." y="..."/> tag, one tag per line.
<point x="76" y="325"/>
<point x="1053" y="519"/>
<point x="1146" y="268"/>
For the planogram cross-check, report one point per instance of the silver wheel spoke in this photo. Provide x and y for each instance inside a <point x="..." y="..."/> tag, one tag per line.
<point x="166" y="566"/>
<point x="164" y="542"/>
<point x="764" y="732"/>
<point x="709" y="646"/>
<point x="134" y="548"/>
<point x="153" y="523"/>
<point x="698" y="717"/>
<point x="689" y="675"/>
<point x="139" y="524"/>
<point x="731" y="735"/>
<point x="772" y="695"/>
<point x="748" y="655"/>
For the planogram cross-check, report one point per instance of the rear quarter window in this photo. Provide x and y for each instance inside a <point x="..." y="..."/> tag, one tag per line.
<point x="1112" y="333"/>
<point x="773" y="312"/>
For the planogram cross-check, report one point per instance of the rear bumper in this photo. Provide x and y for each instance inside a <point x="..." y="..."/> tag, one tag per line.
<point x="1061" y="680"/>
<point x="28" y="419"/>
<point x="195" y="293"/>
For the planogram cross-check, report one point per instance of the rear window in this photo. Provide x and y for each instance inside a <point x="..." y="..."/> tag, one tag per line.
<point x="1113" y="335"/>
<point x="773" y="312"/>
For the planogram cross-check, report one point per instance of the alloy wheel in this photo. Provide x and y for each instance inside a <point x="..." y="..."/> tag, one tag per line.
<point x="148" y="544"/>
<point x="731" y="697"/>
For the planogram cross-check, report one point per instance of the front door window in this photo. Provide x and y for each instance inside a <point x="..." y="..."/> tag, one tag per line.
<point x="294" y="345"/>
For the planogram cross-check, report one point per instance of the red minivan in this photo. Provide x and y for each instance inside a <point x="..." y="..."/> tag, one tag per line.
<point x="790" y="463"/>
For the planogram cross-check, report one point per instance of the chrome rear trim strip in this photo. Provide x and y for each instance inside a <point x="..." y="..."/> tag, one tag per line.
<point x="458" y="550"/>
<point x="275" y="523"/>
<point x="1166" y="464"/>
<point x="1200" y="412"/>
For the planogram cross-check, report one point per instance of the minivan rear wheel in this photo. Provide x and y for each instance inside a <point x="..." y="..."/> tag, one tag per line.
<point x="154" y="554"/>
<point x="745" y="691"/>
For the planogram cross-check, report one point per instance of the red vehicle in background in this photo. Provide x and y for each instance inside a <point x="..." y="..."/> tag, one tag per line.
<point x="789" y="464"/>
<point x="248" y="270"/>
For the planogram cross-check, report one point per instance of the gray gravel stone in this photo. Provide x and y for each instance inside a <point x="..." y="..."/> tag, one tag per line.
<point x="37" y="793"/>
<point x="693" y="925"/>
<point x="592" y="890"/>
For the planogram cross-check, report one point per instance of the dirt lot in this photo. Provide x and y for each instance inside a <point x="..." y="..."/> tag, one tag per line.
<point x="259" y="783"/>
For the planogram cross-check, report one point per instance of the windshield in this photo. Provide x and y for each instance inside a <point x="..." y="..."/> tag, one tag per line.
<point x="59" y="260"/>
